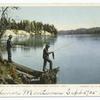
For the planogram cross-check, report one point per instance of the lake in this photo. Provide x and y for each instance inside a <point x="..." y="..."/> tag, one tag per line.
<point x="78" y="57"/>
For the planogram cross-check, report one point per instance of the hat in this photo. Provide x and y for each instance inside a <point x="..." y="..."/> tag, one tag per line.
<point x="10" y="36"/>
<point x="47" y="45"/>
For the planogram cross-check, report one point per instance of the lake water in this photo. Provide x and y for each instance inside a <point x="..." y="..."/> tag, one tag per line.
<point x="78" y="57"/>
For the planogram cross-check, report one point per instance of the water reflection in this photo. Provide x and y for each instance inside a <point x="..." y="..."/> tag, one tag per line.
<point x="85" y="36"/>
<point x="34" y="42"/>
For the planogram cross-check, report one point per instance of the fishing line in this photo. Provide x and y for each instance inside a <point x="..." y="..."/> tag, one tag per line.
<point x="61" y="47"/>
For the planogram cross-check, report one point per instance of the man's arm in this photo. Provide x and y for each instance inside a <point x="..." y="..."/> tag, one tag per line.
<point x="50" y="52"/>
<point x="10" y="43"/>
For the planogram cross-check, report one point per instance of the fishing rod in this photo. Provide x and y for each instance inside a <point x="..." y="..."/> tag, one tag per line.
<point x="61" y="47"/>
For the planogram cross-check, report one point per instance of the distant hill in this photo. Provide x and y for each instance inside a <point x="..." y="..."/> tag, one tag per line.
<point x="94" y="30"/>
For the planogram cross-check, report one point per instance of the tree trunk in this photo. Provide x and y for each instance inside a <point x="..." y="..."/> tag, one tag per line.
<point x="1" y="58"/>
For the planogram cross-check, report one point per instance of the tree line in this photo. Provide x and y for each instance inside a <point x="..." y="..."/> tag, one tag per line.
<point x="29" y="26"/>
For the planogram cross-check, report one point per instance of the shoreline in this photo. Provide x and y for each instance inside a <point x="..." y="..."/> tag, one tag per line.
<point x="13" y="73"/>
<point x="17" y="33"/>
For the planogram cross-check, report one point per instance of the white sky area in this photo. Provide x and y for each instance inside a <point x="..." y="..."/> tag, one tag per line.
<point x="62" y="17"/>
<point x="49" y="1"/>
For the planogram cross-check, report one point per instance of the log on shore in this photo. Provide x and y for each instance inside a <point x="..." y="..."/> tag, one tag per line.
<point x="47" y="77"/>
<point x="27" y="70"/>
<point x="30" y="76"/>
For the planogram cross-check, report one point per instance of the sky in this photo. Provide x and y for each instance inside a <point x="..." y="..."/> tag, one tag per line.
<point x="62" y="17"/>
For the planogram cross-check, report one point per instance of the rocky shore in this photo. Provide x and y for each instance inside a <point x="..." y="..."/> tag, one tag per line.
<point x="12" y="73"/>
<point x="16" y="33"/>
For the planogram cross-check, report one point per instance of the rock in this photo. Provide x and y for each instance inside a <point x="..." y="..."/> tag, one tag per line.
<point x="10" y="80"/>
<point x="35" y="81"/>
<point x="2" y="80"/>
<point x="25" y="79"/>
<point x="48" y="77"/>
<point x="9" y="32"/>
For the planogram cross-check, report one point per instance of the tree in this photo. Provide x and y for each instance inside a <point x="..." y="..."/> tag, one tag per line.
<point x="4" y="17"/>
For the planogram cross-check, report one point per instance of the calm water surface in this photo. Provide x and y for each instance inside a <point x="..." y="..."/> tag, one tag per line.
<point x="78" y="57"/>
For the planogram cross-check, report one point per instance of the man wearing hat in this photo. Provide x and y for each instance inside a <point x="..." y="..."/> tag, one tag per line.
<point x="46" y="57"/>
<point x="9" y="46"/>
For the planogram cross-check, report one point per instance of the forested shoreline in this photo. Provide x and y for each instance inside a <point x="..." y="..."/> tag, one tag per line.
<point x="29" y="26"/>
<point x="93" y="30"/>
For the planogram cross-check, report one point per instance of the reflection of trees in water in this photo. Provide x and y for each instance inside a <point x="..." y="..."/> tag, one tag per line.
<point x="13" y="49"/>
<point x="2" y="49"/>
<point x="82" y="37"/>
<point x="27" y="44"/>
<point x="36" y="42"/>
<point x="25" y="48"/>
<point x="39" y="41"/>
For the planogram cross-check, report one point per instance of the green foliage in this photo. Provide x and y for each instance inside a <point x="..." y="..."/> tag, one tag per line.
<point x="9" y="71"/>
<point x="36" y="27"/>
<point x="8" y="23"/>
<point x="33" y="26"/>
<point x="5" y="19"/>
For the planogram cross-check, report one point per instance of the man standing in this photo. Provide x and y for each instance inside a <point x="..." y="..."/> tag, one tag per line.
<point x="9" y="46"/>
<point x="46" y="57"/>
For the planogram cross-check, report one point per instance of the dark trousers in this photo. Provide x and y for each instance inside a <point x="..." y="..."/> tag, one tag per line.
<point x="9" y="54"/>
<point x="45" y="63"/>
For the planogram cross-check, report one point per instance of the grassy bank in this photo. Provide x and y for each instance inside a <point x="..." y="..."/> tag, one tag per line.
<point x="9" y="74"/>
